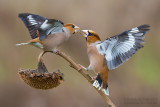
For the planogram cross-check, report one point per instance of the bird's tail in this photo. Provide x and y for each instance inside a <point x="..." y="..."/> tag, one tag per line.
<point x="98" y="84"/>
<point x="22" y="44"/>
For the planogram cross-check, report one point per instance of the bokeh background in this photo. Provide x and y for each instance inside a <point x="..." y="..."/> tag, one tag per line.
<point x="134" y="84"/>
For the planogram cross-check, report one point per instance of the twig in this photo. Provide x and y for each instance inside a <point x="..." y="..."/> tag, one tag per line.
<point x="77" y="67"/>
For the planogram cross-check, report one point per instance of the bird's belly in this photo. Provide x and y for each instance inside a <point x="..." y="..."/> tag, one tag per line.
<point x="52" y="41"/>
<point x="97" y="64"/>
<point x="97" y="61"/>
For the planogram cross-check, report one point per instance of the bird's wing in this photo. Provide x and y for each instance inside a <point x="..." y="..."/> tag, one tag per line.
<point x="40" y="26"/>
<point x="119" y="48"/>
<point x="50" y="26"/>
<point x="32" y="22"/>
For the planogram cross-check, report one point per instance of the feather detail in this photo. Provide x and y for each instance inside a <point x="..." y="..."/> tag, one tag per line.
<point x="32" y="22"/>
<point x="119" y="48"/>
<point x="39" y="26"/>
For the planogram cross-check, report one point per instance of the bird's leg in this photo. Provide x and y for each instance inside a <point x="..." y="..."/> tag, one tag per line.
<point x="82" y="67"/>
<point x="89" y="68"/>
<point x="93" y="78"/>
<point x="41" y="55"/>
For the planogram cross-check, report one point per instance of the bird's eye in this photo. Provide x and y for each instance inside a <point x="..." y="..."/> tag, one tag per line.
<point x="89" y="33"/>
<point x="73" y="26"/>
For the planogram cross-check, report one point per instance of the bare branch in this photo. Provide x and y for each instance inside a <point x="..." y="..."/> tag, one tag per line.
<point x="82" y="72"/>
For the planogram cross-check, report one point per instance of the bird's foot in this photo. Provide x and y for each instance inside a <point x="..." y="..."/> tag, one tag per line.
<point x="93" y="78"/>
<point x="81" y="67"/>
<point x="56" y="51"/>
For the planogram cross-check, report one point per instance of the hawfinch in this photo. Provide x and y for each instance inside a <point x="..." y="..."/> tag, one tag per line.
<point x="46" y="33"/>
<point x="111" y="53"/>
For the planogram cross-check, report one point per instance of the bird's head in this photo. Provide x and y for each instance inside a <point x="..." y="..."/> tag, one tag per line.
<point x="71" y="28"/>
<point x="91" y="36"/>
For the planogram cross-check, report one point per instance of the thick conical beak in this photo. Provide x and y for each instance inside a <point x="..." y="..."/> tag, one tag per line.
<point x="84" y="33"/>
<point x="77" y="29"/>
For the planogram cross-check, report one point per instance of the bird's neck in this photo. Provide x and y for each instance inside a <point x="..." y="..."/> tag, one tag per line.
<point x="95" y="43"/>
<point x="67" y="32"/>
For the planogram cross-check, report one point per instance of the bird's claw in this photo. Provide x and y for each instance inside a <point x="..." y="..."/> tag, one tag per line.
<point x="56" y="51"/>
<point x="81" y="67"/>
<point x="93" y="78"/>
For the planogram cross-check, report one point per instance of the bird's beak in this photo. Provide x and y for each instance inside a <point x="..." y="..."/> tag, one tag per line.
<point x="84" y="33"/>
<point x="77" y="29"/>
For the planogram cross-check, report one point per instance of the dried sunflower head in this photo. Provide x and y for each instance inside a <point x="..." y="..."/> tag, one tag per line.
<point x="40" y="78"/>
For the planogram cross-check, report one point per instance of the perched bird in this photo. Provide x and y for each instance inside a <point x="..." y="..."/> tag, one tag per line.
<point x="111" y="53"/>
<point x="46" y="33"/>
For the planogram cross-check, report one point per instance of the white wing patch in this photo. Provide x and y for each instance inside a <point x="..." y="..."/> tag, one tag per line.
<point x="32" y="20"/>
<point x="134" y="30"/>
<point x="44" y="25"/>
<point x="101" y="49"/>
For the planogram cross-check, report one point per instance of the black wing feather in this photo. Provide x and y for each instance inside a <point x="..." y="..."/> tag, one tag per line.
<point x="40" y="26"/>
<point x="32" y="22"/>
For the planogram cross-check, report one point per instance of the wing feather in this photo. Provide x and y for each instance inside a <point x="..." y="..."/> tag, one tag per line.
<point x="42" y="25"/>
<point x="119" y="48"/>
<point x="32" y="22"/>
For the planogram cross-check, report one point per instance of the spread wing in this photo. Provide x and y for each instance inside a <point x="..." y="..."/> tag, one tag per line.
<point x="40" y="26"/>
<point x="119" y="48"/>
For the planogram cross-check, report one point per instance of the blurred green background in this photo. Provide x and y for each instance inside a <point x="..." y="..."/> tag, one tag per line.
<point x="134" y="84"/>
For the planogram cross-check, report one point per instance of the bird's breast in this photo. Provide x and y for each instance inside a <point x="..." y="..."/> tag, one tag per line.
<point x="52" y="41"/>
<point x="97" y="60"/>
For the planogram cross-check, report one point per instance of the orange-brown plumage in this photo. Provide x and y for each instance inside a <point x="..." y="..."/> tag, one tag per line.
<point x="97" y="61"/>
<point x="112" y="52"/>
<point x="92" y="39"/>
<point x="69" y="28"/>
<point x="35" y="40"/>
